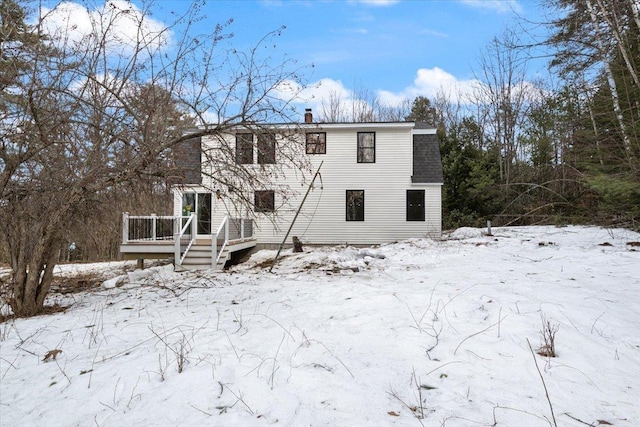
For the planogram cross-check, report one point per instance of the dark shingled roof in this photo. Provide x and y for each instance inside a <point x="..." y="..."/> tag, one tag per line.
<point x="422" y="125"/>
<point x="187" y="156"/>
<point x="427" y="165"/>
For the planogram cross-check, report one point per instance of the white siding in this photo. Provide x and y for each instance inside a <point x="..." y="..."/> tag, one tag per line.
<point x="385" y="183"/>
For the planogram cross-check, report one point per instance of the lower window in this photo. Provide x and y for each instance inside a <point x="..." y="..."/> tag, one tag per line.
<point x="264" y="201"/>
<point x="355" y="205"/>
<point x="415" y="205"/>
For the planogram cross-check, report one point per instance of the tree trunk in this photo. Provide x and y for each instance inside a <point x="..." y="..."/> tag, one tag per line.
<point x="617" y="33"/>
<point x="635" y="10"/>
<point x="32" y="277"/>
<point x="612" y="85"/>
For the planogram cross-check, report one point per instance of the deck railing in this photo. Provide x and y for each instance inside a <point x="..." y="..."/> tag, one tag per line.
<point x="240" y="228"/>
<point x="148" y="228"/>
<point x="181" y="232"/>
<point x="221" y="234"/>
<point x="185" y="238"/>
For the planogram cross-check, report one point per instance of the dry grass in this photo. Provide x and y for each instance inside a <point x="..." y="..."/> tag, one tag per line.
<point x="267" y="263"/>
<point x="74" y="284"/>
<point x="47" y="310"/>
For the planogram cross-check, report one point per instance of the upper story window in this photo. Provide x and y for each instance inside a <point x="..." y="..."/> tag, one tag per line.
<point x="317" y="143"/>
<point x="355" y="205"/>
<point x="266" y="149"/>
<point x="366" y="147"/>
<point x="265" y="201"/>
<point x="244" y="148"/>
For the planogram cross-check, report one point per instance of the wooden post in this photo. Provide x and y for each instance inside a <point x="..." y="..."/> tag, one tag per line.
<point x="125" y="227"/>
<point x="214" y="250"/>
<point x="176" y="242"/>
<point x="489" y="228"/>
<point x="193" y="225"/>
<point x="154" y="224"/>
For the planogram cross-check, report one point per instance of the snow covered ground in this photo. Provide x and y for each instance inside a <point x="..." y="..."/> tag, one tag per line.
<point x="419" y="332"/>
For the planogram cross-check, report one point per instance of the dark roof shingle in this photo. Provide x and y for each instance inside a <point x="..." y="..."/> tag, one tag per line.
<point x="427" y="165"/>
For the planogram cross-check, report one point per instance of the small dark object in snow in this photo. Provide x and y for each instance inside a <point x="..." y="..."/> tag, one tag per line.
<point x="633" y="243"/>
<point x="427" y="387"/>
<point x="297" y="244"/>
<point x="605" y="244"/>
<point x="51" y="354"/>
<point x="393" y="414"/>
<point x="546" y="351"/>
<point x="603" y="422"/>
<point x="546" y="244"/>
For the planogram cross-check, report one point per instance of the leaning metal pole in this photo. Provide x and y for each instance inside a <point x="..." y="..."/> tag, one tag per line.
<point x="295" y="217"/>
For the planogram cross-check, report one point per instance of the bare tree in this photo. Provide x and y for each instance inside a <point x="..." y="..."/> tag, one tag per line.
<point x="332" y="109"/>
<point x="361" y="105"/>
<point x="72" y="129"/>
<point x="502" y="97"/>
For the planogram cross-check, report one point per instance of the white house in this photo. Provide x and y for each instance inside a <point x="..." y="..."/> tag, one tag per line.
<point x="377" y="183"/>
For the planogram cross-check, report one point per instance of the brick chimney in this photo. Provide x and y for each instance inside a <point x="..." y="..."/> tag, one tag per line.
<point x="308" y="116"/>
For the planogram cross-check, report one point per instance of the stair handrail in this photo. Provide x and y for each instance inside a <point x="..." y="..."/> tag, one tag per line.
<point x="189" y="225"/>
<point x="224" y="226"/>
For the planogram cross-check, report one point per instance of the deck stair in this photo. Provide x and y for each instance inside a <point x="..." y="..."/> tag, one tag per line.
<point x="200" y="255"/>
<point x="189" y="253"/>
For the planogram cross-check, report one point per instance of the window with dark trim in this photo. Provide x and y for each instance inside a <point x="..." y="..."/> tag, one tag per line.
<point x="264" y="200"/>
<point x="415" y="205"/>
<point x="266" y="149"/>
<point x="317" y="143"/>
<point x="244" y="148"/>
<point x="355" y="205"/>
<point x="366" y="147"/>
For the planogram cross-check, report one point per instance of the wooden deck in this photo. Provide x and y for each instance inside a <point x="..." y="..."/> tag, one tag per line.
<point x="154" y="237"/>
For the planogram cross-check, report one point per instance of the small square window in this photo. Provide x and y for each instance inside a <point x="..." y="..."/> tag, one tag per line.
<point x="244" y="148"/>
<point x="264" y="201"/>
<point x="317" y="143"/>
<point x="355" y="205"/>
<point x="266" y="149"/>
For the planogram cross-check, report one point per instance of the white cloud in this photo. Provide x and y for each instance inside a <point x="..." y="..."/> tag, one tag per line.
<point x="125" y="24"/>
<point x="380" y="3"/>
<point x="314" y="94"/>
<point x="431" y="83"/>
<point x="434" y="33"/>
<point x="500" y="6"/>
<point x="326" y="97"/>
<point x="358" y="30"/>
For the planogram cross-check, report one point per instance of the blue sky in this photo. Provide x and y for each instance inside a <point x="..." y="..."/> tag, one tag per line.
<point x="395" y="49"/>
<point x="382" y="44"/>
